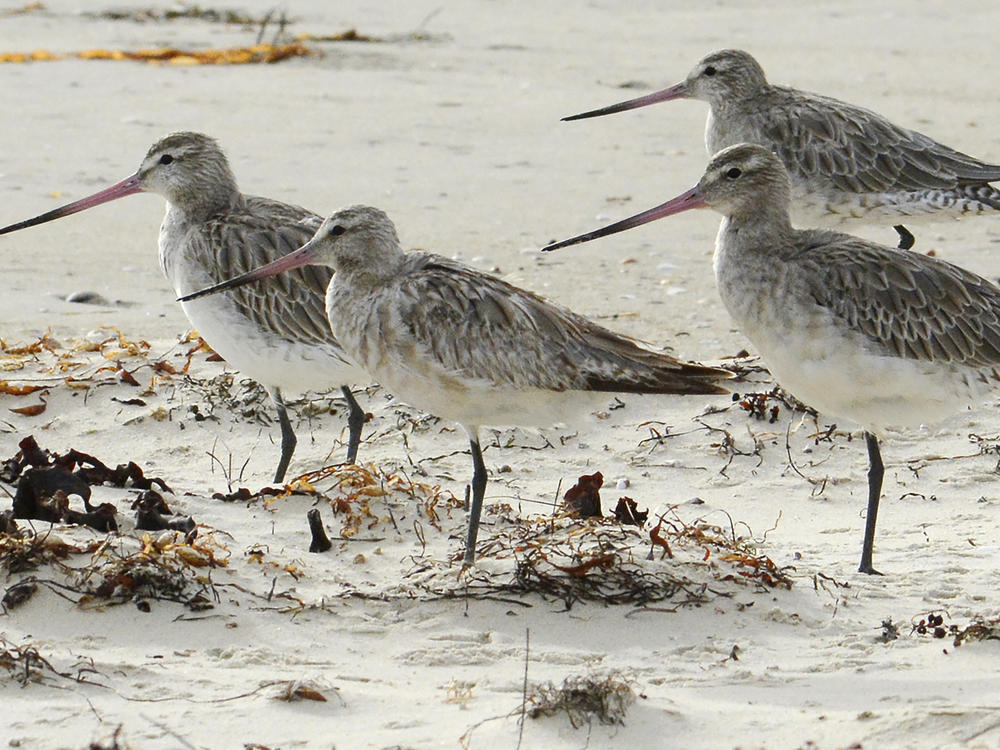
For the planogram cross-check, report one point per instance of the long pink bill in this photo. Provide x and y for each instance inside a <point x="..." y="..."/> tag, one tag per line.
<point x="677" y="91"/>
<point x="683" y="202"/>
<point x="128" y="186"/>
<point x="304" y="256"/>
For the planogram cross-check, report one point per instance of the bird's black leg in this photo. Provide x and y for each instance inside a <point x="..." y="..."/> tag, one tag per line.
<point x="288" y="440"/>
<point x="906" y="239"/>
<point x="355" y="421"/>
<point x="875" y="473"/>
<point x="478" y="490"/>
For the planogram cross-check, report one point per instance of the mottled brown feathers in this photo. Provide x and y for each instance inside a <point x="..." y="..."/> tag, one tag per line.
<point x="479" y="326"/>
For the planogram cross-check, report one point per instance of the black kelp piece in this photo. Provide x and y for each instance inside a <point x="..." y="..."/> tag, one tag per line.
<point x="86" y="468"/>
<point x="46" y="480"/>
<point x="584" y="497"/>
<point x="124" y="475"/>
<point x="320" y="541"/>
<point x="35" y="499"/>
<point x="152" y="514"/>
<point x="28" y="455"/>
<point x="38" y="485"/>
<point x="628" y="513"/>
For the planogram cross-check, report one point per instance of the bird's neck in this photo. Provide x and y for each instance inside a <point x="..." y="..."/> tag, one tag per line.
<point x="729" y="123"/>
<point x="371" y="268"/>
<point x="763" y="229"/>
<point x="203" y="202"/>
<point x="738" y="101"/>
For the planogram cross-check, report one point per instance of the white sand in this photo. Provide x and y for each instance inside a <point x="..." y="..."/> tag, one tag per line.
<point x="458" y="138"/>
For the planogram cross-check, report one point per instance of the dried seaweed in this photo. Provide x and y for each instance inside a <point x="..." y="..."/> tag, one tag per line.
<point x="556" y="558"/>
<point x="756" y="405"/>
<point x="112" y="742"/>
<point x="745" y="365"/>
<point x="353" y="489"/>
<point x="194" y="12"/>
<point x="31" y="410"/>
<point x="25" y="664"/>
<point x="162" y="569"/>
<point x="606" y="698"/>
<point x="186" y="11"/>
<point x="25" y="550"/>
<point x="980" y="628"/>
<point x="890" y="631"/>
<point x="350" y="35"/>
<point x="17" y="595"/>
<point x="767" y="405"/>
<point x="298" y="690"/>
<point x="165" y="568"/>
<point x="104" y="357"/>
<point x="252" y="55"/>
<point x="23" y="10"/>
<point x="239" y="397"/>
<point x="728" y="448"/>
<point x="598" y="561"/>
<point x="933" y="624"/>
<point x="18" y="390"/>
<point x="606" y="578"/>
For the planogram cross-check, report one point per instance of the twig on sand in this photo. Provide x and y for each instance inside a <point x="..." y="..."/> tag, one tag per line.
<point x="168" y="730"/>
<point x="524" y="687"/>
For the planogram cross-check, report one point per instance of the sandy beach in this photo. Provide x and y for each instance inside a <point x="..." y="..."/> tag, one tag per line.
<point x="733" y="617"/>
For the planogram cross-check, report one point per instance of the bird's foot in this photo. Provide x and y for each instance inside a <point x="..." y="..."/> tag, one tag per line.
<point x="867" y="569"/>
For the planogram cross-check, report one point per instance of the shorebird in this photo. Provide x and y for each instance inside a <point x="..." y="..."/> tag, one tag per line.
<point x="877" y="335"/>
<point x="847" y="164"/>
<point x="467" y="346"/>
<point x="275" y="333"/>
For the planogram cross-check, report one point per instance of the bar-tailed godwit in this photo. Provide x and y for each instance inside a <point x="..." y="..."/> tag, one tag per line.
<point x="880" y="336"/>
<point x="276" y="333"/>
<point x="468" y="346"/>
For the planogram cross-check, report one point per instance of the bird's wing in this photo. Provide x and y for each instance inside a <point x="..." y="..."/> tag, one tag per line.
<point x="477" y="326"/>
<point x="911" y="305"/>
<point x="289" y="305"/>
<point x="860" y="150"/>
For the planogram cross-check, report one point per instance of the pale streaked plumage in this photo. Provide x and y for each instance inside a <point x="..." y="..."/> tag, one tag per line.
<point x="468" y="346"/>
<point x="846" y="163"/>
<point x="276" y="333"/>
<point x="858" y="330"/>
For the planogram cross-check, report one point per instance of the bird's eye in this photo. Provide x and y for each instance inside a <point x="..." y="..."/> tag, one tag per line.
<point x="710" y="71"/>
<point x="166" y="159"/>
<point x="733" y="173"/>
<point x="337" y="230"/>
